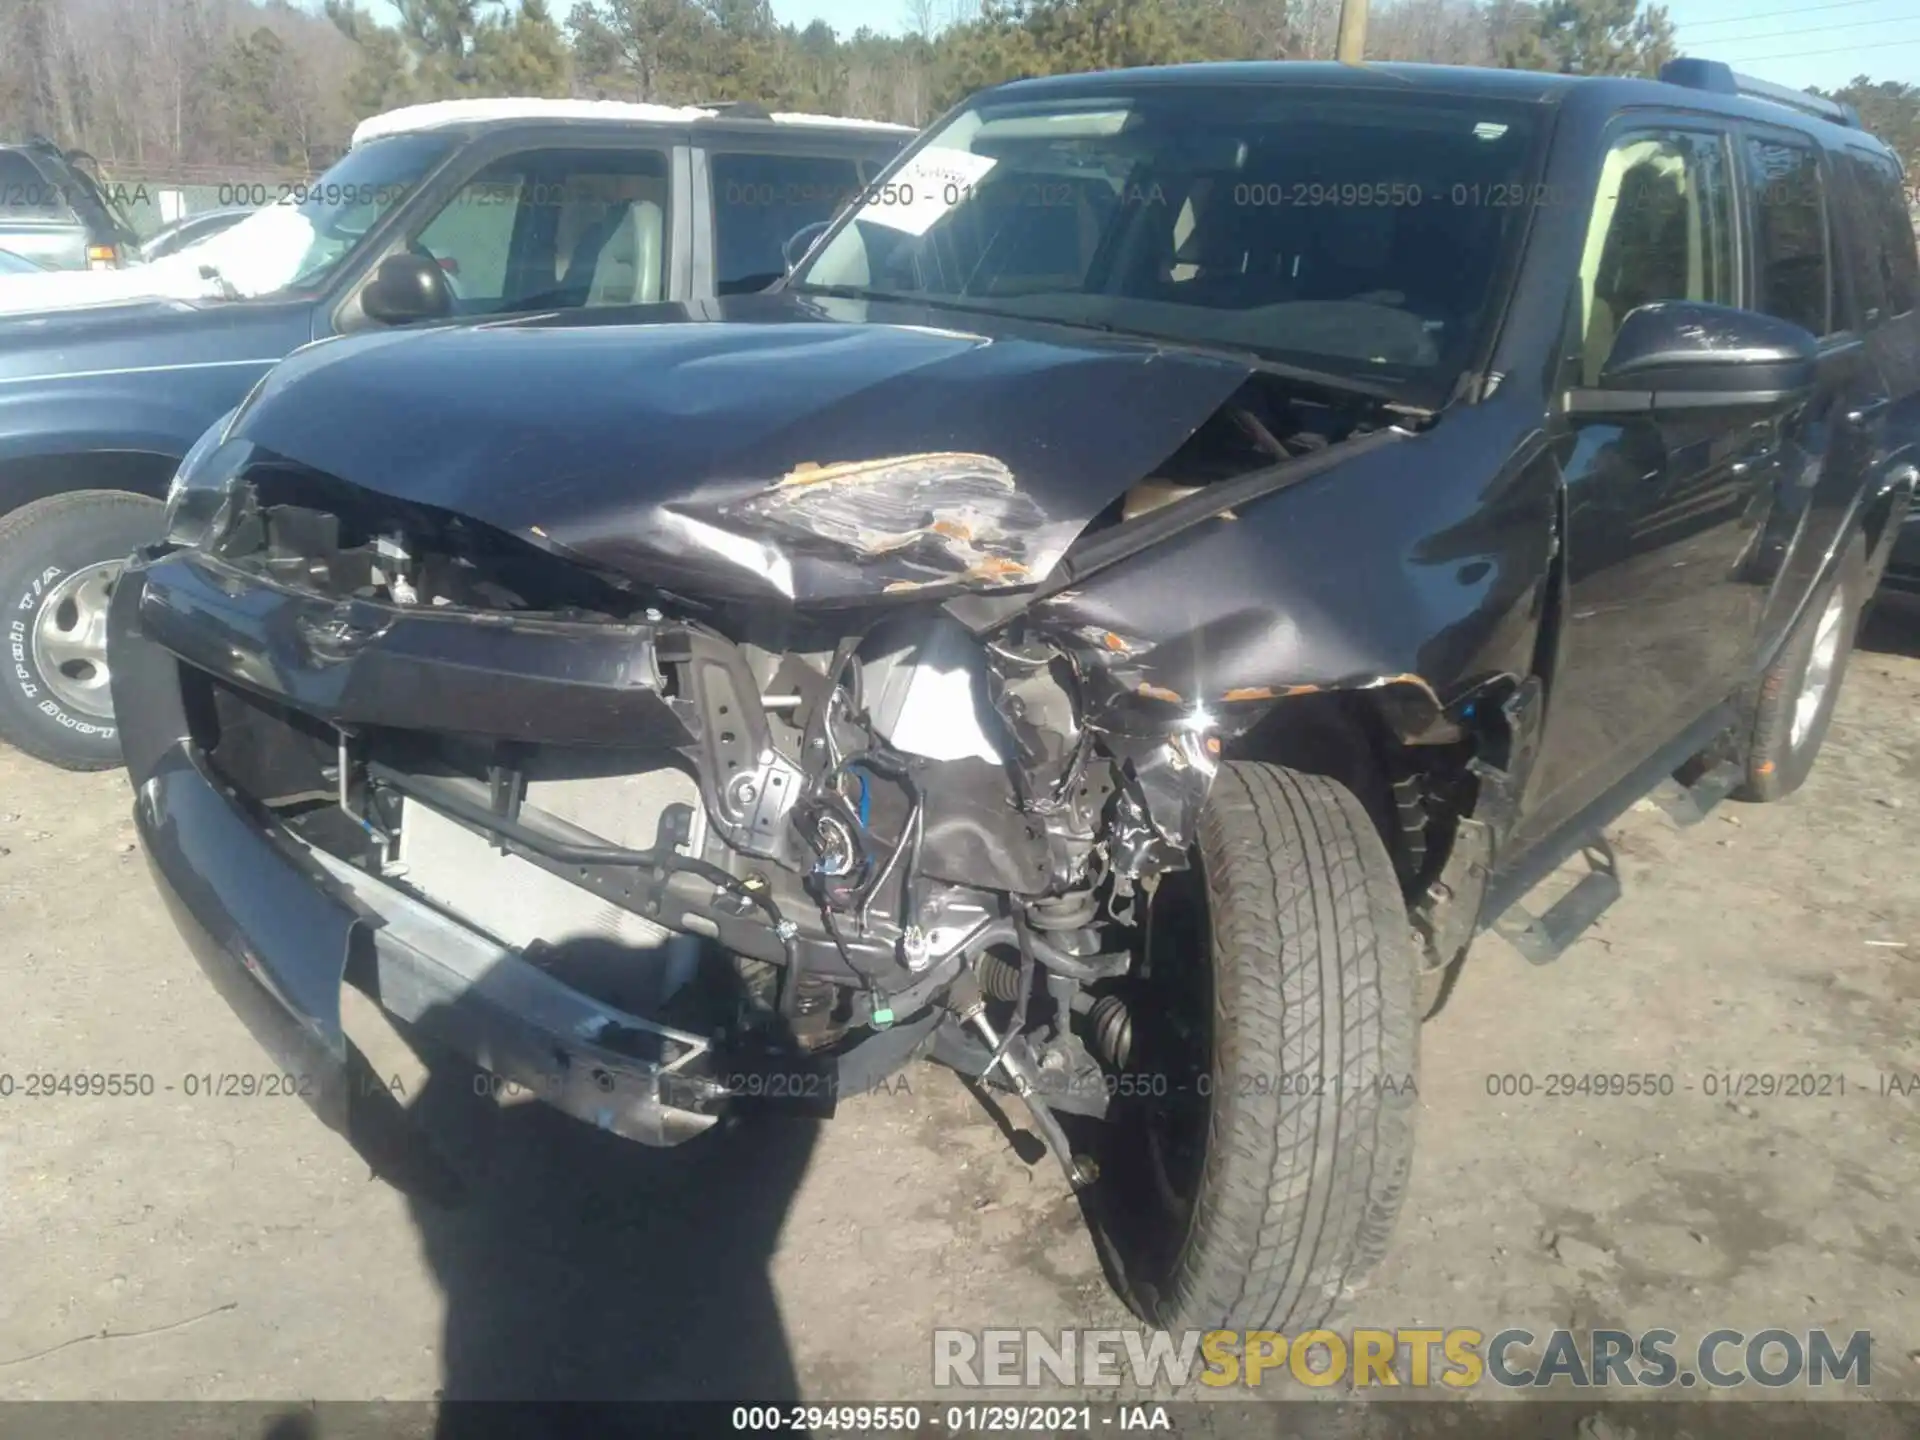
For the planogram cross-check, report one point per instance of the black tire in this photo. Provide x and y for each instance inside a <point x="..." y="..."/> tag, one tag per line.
<point x="1777" y="762"/>
<point x="1305" y="1139"/>
<point x="42" y="545"/>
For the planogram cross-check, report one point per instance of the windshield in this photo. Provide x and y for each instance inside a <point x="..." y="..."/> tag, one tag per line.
<point x="296" y="243"/>
<point x="1363" y="233"/>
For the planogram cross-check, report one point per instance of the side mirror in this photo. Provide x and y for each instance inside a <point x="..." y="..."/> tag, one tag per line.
<point x="406" y="287"/>
<point x="1686" y="354"/>
<point x="801" y="241"/>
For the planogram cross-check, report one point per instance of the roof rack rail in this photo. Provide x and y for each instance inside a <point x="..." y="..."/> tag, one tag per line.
<point x="739" y="109"/>
<point x="1720" y="77"/>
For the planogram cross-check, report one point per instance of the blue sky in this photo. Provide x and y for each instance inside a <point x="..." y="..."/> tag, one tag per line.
<point x="1821" y="42"/>
<point x="1824" y="43"/>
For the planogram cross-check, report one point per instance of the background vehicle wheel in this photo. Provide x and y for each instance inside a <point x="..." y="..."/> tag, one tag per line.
<point x="1278" y="997"/>
<point x="1799" y="690"/>
<point x="59" y="559"/>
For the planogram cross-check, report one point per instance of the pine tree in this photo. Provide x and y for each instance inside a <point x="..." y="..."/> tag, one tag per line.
<point x="522" y="53"/>
<point x="1589" y="37"/>
<point x="382" y="78"/>
<point x="446" y="49"/>
<point x="251" y="77"/>
<point x="639" y="49"/>
<point x="1891" y="111"/>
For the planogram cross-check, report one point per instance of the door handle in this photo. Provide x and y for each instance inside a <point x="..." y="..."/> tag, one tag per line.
<point x="1861" y="414"/>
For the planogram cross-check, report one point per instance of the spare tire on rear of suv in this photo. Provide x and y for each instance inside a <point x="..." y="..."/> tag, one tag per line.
<point x="59" y="559"/>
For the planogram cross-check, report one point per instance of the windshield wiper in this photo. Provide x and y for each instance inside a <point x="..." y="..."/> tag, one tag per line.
<point x="857" y="292"/>
<point x="1259" y="360"/>
<point x="210" y="271"/>
<point x="896" y="297"/>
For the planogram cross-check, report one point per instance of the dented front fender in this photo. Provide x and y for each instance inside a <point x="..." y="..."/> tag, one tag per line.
<point x="1384" y="572"/>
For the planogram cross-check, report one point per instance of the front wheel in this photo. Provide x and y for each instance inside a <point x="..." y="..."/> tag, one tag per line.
<point x="1259" y="1175"/>
<point x="59" y="560"/>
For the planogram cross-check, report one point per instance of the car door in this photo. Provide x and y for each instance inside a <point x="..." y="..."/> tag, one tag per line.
<point x="1826" y="450"/>
<point x="1661" y="507"/>
<point x="1885" y="272"/>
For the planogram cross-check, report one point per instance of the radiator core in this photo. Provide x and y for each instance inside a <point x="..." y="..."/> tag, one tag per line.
<point x="518" y="902"/>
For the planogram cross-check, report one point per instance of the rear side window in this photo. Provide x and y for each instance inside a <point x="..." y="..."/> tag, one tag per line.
<point x="759" y="201"/>
<point x="1790" y="234"/>
<point x="1889" y="240"/>
<point x="26" y="194"/>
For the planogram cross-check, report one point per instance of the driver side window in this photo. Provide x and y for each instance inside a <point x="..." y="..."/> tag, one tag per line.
<point x="1661" y="229"/>
<point x="554" y="230"/>
<point x="471" y="237"/>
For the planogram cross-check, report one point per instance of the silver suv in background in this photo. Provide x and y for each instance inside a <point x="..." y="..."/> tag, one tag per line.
<point x="53" y="212"/>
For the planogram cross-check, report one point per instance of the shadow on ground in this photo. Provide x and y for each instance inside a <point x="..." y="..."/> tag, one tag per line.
<point x="581" y="1266"/>
<point x="1892" y="626"/>
<point x="575" y="1265"/>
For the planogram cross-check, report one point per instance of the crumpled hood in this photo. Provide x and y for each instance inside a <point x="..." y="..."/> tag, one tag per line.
<point x="810" y="452"/>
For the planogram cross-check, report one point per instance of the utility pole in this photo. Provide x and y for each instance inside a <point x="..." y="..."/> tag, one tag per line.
<point x="1351" y="47"/>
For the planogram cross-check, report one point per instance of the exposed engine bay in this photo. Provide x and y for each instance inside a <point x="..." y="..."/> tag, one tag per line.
<point x="799" y="829"/>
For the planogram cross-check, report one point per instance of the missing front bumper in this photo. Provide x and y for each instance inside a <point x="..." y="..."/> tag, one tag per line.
<point x="276" y="925"/>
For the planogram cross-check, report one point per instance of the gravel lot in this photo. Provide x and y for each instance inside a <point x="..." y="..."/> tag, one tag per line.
<point x="194" y="1248"/>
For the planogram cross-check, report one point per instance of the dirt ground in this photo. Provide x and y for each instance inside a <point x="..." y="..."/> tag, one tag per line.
<point x="180" y="1247"/>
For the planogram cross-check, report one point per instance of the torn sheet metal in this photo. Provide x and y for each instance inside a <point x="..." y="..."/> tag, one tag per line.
<point x="913" y="521"/>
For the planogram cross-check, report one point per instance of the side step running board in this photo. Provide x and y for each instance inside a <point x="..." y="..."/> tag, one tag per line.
<point x="1688" y="804"/>
<point x="1545" y="938"/>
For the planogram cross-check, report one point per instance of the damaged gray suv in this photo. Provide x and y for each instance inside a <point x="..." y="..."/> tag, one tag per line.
<point x="1178" y="556"/>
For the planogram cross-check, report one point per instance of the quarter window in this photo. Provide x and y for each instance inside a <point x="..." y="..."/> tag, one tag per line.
<point x="1662" y="229"/>
<point x="1790" y="234"/>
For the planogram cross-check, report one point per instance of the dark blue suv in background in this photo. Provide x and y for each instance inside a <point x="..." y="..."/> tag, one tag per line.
<point x="458" y="210"/>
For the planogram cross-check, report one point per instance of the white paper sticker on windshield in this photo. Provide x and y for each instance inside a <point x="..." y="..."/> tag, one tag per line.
<point x="925" y="188"/>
